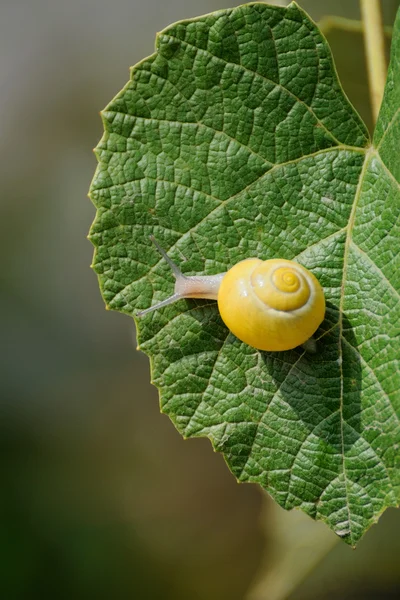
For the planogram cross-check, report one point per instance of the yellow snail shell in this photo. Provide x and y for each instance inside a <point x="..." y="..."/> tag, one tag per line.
<point x="274" y="304"/>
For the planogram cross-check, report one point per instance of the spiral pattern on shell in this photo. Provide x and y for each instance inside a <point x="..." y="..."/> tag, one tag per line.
<point x="275" y="304"/>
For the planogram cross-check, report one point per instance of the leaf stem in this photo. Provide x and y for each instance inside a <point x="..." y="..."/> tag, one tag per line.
<point x="330" y="23"/>
<point x="375" y="51"/>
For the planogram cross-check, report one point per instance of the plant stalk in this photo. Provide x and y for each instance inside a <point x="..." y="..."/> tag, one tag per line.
<point x="375" y="51"/>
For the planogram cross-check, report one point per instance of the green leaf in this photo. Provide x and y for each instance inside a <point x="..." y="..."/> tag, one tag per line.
<point x="233" y="140"/>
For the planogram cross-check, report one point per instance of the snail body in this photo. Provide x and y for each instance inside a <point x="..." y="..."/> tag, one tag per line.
<point x="273" y="305"/>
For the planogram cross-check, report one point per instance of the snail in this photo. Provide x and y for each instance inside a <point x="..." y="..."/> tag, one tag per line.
<point x="276" y="304"/>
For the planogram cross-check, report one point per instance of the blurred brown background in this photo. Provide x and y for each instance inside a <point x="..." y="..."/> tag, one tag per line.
<point x="101" y="497"/>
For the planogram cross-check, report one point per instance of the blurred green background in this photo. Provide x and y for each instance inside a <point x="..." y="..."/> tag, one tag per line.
<point x="101" y="497"/>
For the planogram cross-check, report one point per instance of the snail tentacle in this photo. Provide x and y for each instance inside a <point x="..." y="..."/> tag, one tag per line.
<point x="186" y="286"/>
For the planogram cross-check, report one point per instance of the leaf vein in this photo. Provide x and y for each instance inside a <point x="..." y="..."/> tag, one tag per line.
<point x="255" y="74"/>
